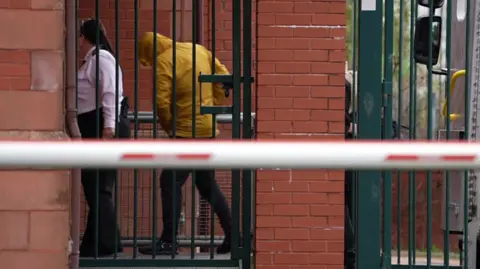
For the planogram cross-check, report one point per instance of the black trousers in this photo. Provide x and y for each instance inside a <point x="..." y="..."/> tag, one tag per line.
<point x="105" y="178"/>
<point x="349" y="244"/>
<point x="208" y="189"/>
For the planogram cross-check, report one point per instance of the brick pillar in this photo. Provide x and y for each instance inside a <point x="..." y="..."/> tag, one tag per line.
<point x="301" y="62"/>
<point x="34" y="205"/>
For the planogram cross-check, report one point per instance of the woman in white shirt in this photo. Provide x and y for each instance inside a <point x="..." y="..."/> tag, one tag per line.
<point x="97" y="119"/>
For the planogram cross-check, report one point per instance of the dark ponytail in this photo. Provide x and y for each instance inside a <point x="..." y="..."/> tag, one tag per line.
<point x="88" y="29"/>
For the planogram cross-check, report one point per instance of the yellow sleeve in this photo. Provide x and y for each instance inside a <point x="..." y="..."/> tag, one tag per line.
<point x="164" y="95"/>
<point x="218" y="91"/>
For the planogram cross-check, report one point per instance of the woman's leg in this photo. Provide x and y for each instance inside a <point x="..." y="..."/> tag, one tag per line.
<point x="349" y="235"/>
<point x="98" y="184"/>
<point x="349" y="255"/>
<point x="101" y="213"/>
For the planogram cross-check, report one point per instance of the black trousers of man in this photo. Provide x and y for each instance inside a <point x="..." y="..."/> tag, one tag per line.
<point x="208" y="189"/>
<point x="107" y="224"/>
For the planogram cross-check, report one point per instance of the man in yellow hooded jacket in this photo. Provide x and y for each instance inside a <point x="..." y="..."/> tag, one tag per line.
<point x="211" y="95"/>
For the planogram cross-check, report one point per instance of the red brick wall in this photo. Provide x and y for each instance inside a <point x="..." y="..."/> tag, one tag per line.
<point x="34" y="205"/>
<point x="301" y="62"/>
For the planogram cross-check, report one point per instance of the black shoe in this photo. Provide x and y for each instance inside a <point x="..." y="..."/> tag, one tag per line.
<point x="225" y="247"/>
<point x="350" y="259"/>
<point x="161" y="248"/>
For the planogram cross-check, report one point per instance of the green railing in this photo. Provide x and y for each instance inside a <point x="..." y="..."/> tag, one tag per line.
<point x="193" y="96"/>
<point x="142" y="195"/>
<point x="402" y="55"/>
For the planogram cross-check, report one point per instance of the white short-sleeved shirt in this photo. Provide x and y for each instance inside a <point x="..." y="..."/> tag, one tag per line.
<point x="107" y="85"/>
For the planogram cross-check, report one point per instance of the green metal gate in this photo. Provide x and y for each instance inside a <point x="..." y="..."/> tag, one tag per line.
<point x="136" y="194"/>
<point x="414" y="66"/>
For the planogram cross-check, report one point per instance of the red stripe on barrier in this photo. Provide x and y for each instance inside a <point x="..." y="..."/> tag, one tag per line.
<point x="403" y="158"/>
<point x="459" y="158"/>
<point x="138" y="156"/>
<point x="194" y="156"/>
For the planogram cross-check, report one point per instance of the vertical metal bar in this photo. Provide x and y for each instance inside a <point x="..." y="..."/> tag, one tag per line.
<point x="237" y="65"/>
<point x="354" y="96"/>
<point x="129" y="195"/>
<point x="76" y="56"/>
<point x="200" y="25"/>
<point x="212" y="212"/>
<point x="369" y="127"/>
<point x="117" y="79"/>
<point x="202" y="207"/>
<point x="467" y="125"/>
<point x="429" y="132"/>
<point x="247" y="127"/>
<point x="155" y="130"/>
<point x="174" y="122"/>
<point x="446" y="235"/>
<point x="354" y="65"/>
<point x="194" y="116"/>
<point x="411" y="135"/>
<point x="399" y="128"/>
<point x="74" y="132"/>
<point x="135" y="134"/>
<point x="213" y="49"/>
<point x="387" y="127"/>
<point x="97" y="102"/>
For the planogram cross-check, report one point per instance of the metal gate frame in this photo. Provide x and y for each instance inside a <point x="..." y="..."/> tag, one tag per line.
<point x="240" y="79"/>
<point x="373" y="189"/>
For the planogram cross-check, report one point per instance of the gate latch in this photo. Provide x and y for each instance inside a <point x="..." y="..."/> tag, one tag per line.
<point x="227" y="85"/>
<point x="226" y="80"/>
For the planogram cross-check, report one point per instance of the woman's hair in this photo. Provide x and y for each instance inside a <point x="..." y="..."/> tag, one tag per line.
<point x="88" y="29"/>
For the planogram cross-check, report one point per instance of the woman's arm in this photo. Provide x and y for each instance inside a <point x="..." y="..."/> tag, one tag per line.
<point x="348" y="104"/>
<point x="108" y="84"/>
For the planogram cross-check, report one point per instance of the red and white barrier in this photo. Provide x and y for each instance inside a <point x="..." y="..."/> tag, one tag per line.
<point x="239" y="154"/>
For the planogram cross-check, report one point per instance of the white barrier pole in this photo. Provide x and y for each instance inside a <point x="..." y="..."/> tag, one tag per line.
<point x="239" y="154"/>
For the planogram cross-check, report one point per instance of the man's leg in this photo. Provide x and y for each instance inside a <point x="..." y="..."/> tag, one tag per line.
<point x="208" y="188"/>
<point x="170" y="187"/>
<point x="171" y="182"/>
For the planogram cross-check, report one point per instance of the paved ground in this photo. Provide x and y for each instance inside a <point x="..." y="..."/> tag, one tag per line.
<point x="422" y="259"/>
<point x="182" y="256"/>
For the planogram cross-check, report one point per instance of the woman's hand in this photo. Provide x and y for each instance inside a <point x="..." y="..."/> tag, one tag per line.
<point x="108" y="133"/>
<point x="353" y="128"/>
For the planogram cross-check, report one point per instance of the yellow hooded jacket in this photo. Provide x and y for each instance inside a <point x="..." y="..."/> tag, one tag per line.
<point x="211" y="94"/>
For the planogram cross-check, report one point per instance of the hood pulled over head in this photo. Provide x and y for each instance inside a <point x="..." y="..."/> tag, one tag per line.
<point x="146" y="47"/>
